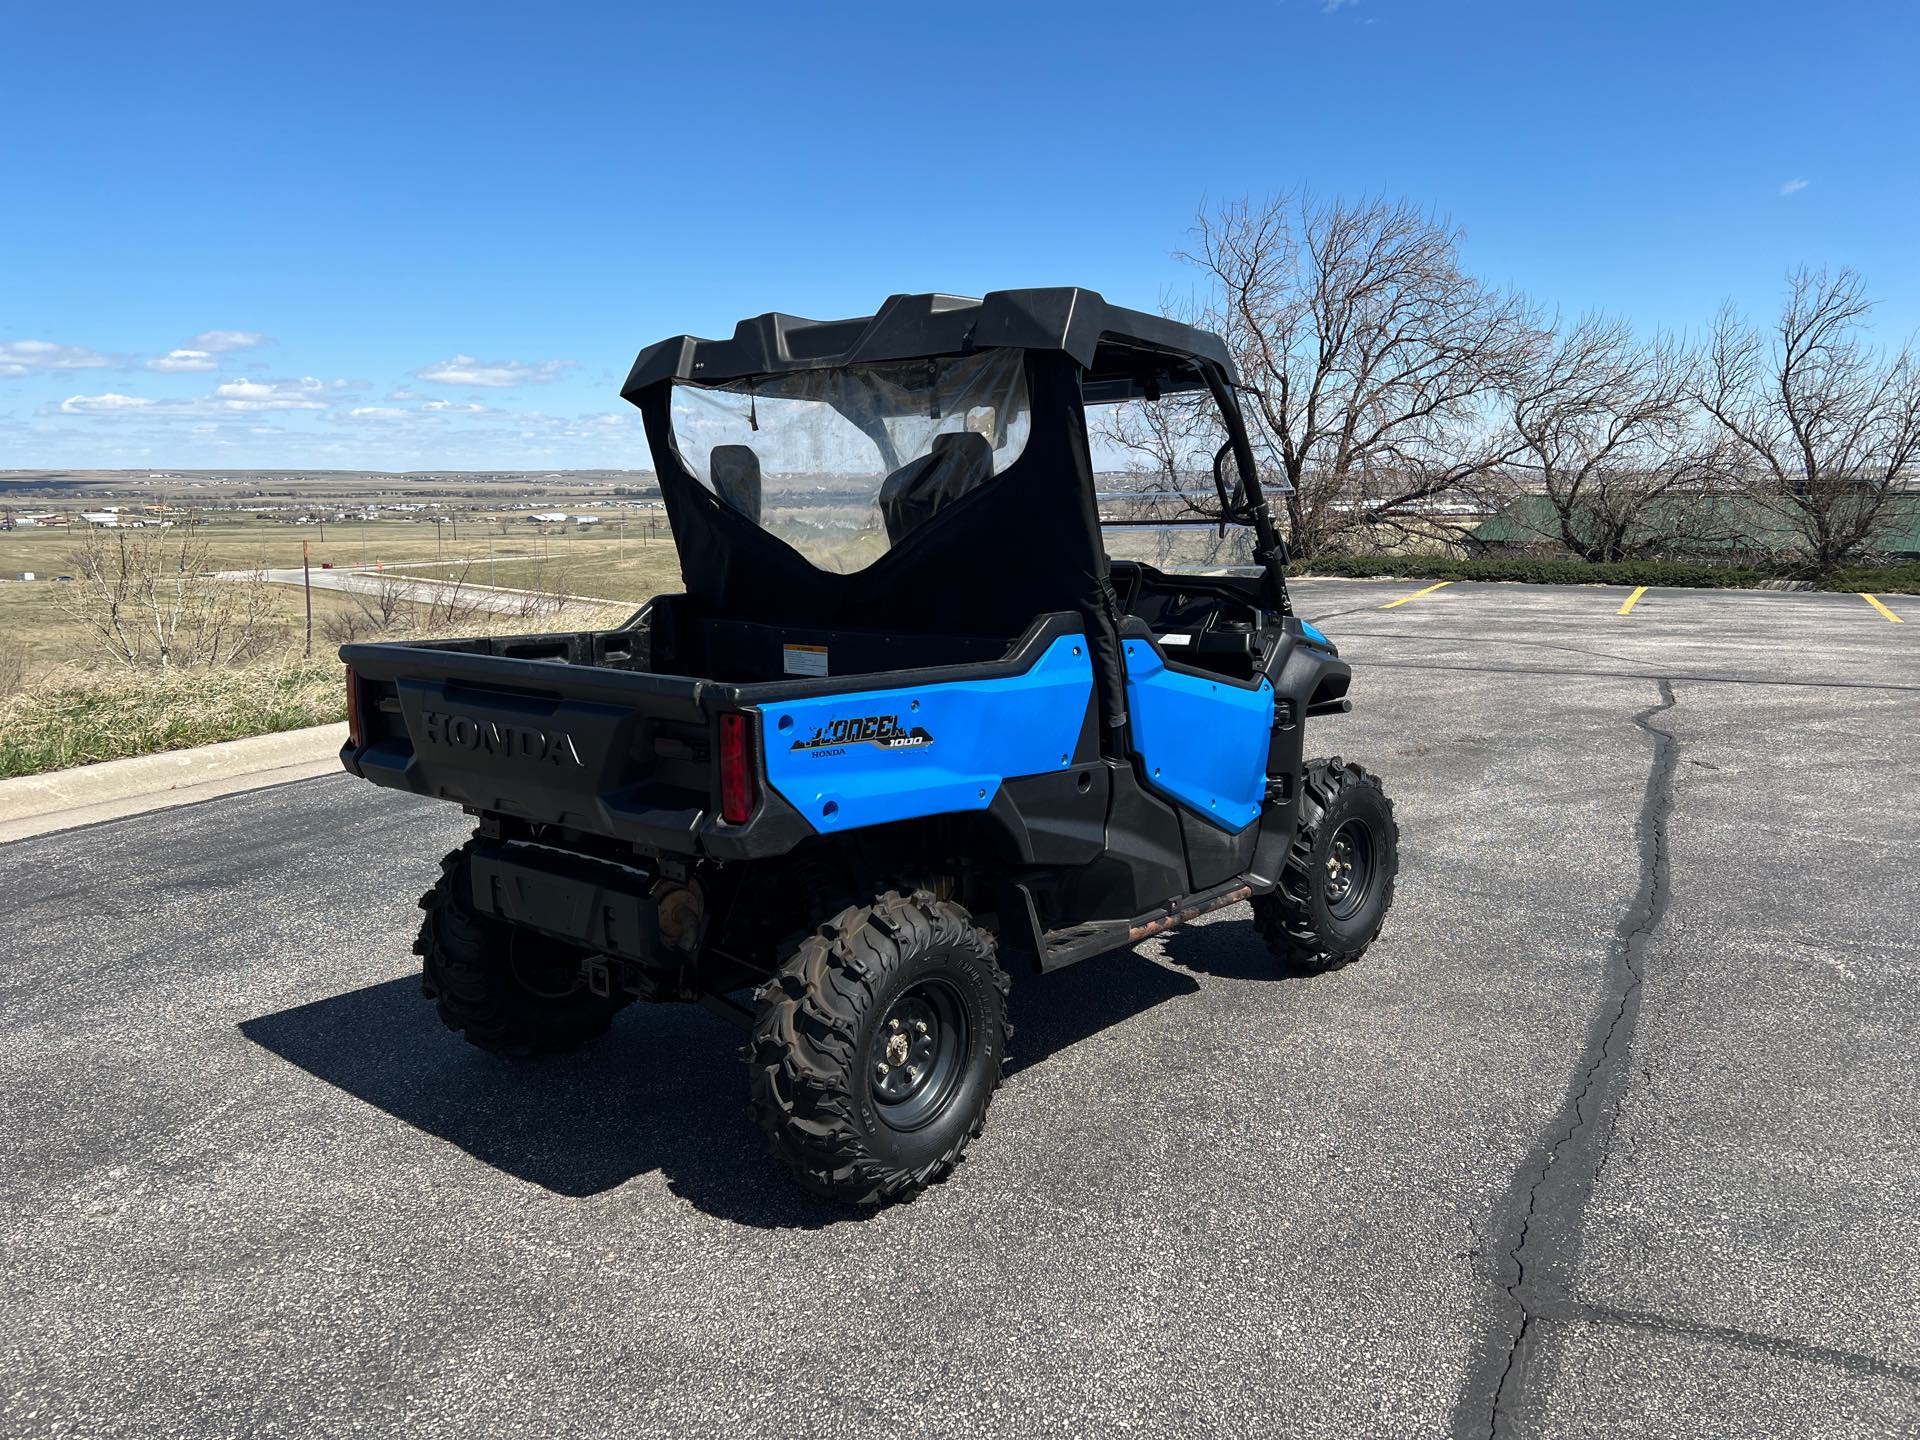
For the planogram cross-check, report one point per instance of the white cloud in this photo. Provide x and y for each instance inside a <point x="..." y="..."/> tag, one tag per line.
<point x="220" y="341"/>
<point x="178" y="361"/>
<point x="108" y="404"/>
<point x="430" y="415"/>
<point x="1332" y="5"/>
<point x="235" y="397"/>
<point x="305" y="393"/>
<point x="23" y="357"/>
<point x="1794" y="187"/>
<point x="606" y="426"/>
<point x="492" y="374"/>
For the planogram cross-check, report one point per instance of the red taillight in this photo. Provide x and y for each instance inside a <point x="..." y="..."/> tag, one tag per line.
<point x="355" y="733"/>
<point x="739" y="794"/>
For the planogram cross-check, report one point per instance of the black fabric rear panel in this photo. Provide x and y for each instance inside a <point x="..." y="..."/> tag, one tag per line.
<point x="1025" y="543"/>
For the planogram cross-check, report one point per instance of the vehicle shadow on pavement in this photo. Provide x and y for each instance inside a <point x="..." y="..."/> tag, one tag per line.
<point x="1224" y="950"/>
<point x="1052" y="1012"/>
<point x="665" y="1090"/>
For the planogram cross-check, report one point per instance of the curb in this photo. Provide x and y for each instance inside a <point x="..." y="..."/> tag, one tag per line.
<point x="112" y="789"/>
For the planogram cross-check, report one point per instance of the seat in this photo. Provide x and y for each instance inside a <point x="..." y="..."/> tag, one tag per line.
<point x="955" y="464"/>
<point x="736" y="478"/>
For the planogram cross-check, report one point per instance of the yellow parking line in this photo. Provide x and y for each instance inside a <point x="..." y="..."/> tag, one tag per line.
<point x="1416" y="595"/>
<point x="1632" y="600"/>
<point x="1874" y="601"/>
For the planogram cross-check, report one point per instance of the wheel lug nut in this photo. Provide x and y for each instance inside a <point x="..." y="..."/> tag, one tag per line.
<point x="921" y="1026"/>
<point x="881" y="1068"/>
<point x="893" y="1024"/>
<point x="913" y="1073"/>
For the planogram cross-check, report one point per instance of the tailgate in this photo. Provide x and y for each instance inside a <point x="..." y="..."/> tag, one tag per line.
<point x="615" y="752"/>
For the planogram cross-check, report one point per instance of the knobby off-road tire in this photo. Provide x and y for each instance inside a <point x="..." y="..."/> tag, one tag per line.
<point x="1337" y="883"/>
<point x="507" y="990"/>
<point x="878" y="1046"/>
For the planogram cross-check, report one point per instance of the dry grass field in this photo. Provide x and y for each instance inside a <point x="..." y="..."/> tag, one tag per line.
<point x="238" y="544"/>
<point x="65" y="700"/>
<point x="77" y="707"/>
<point x="596" y="561"/>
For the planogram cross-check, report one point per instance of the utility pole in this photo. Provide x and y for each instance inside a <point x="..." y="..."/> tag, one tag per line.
<point x="306" y="573"/>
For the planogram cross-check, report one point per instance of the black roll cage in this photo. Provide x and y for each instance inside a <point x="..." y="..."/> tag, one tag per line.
<point x="1120" y="354"/>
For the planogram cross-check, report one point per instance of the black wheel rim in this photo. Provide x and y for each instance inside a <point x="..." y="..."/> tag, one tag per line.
<point x="918" y="1055"/>
<point x="1350" y="869"/>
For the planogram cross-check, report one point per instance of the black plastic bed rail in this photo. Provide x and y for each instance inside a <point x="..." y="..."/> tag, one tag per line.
<point x="573" y="730"/>
<point x="548" y="741"/>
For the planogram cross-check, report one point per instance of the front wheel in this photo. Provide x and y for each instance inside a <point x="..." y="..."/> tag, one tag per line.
<point x="1334" y="892"/>
<point x="878" y="1046"/>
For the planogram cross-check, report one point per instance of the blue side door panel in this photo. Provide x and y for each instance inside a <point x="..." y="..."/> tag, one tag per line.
<point x="844" y="761"/>
<point x="1202" y="741"/>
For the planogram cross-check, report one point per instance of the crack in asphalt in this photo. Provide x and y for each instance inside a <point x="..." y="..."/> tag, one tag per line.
<point x="1551" y="1191"/>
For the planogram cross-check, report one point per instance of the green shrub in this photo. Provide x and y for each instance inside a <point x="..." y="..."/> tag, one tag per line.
<point x="1874" y="579"/>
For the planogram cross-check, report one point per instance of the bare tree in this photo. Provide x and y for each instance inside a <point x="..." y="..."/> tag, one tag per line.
<point x="150" y="597"/>
<point x="545" y="592"/>
<point x="1166" y="488"/>
<point x="379" y="611"/>
<point x="1829" y="424"/>
<point x="398" y="605"/>
<point x="1167" y="446"/>
<point x="1372" y="362"/>
<point x="387" y="602"/>
<point x="450" y="604"/>
<point x="1609" y="441"/>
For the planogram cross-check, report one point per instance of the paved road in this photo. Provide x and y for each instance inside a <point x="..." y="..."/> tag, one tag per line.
<point x="1615" y="1133"/>
<point x="468" y="594"/>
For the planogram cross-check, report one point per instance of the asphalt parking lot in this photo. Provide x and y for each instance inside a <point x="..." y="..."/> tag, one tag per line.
<point x="1616" y="1132"/>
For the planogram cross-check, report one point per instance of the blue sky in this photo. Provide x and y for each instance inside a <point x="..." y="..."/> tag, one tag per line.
<point x="430" y="236"/>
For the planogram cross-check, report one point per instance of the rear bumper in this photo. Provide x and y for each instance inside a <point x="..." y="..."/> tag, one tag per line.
<point x="595" y="904"/>
<point x="620" y="754"/>
<point x="662" y="819"/>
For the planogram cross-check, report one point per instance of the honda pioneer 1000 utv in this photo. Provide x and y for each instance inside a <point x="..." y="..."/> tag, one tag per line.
<point x="908" y="727"/>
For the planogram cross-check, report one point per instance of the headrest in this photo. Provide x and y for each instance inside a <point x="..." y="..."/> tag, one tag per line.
<point x="956" y="463"/>
<point x="735" y="470"/>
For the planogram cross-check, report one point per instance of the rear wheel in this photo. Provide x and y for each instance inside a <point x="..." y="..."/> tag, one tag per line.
<point x="878" y="1046"/>
<point x="507" y="990"/>
<point x="1338" y="881"/>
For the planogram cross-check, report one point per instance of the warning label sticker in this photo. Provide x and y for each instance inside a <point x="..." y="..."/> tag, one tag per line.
<point x="804" y="659"/>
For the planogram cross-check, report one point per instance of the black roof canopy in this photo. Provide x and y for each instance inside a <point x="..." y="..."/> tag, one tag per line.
<point x="1123" y="354"/>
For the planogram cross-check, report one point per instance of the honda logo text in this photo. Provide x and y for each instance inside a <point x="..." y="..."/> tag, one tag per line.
<point x="463" y="732"/>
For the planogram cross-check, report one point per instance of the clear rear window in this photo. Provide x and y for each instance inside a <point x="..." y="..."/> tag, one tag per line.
<point x="843" y="464"/>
